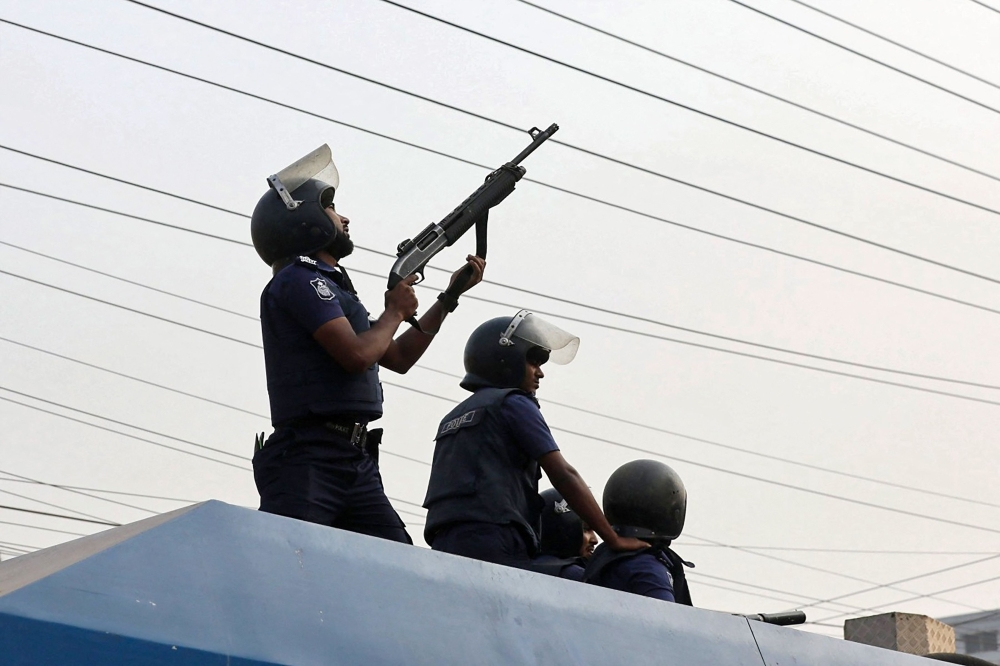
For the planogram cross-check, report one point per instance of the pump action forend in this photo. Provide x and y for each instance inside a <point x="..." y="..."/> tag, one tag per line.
<point x="413" y="254"/>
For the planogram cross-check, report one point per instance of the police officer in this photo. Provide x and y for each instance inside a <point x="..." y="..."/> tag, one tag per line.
<point x="644" y="499"/>
<point x="322" y="352"/>
<point x="566" y="542"/>
<point x="482" y="499"/>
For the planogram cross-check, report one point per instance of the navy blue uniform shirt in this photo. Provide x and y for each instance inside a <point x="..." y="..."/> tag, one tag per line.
<point x="641" y="574"/>
<point x="303" y="381"/>
<point x="528" y="429"/>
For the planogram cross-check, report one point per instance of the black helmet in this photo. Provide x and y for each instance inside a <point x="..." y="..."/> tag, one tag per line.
<point x="646" y="499"/>
<point x="289" y="219"/>
<point x="562" y="528"/>
<point x="496" y="351"/>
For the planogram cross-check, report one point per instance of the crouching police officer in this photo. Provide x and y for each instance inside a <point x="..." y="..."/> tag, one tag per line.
<point x="482" y="499"/>
<point x="322" y="352"/>
<point x="644" y="499"/>
<point x="566" y="541"/>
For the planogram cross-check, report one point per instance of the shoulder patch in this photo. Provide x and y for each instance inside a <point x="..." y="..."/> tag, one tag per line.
<point x="322" y="289"/>
<point x="307" y="260"/>
<point x="464" y="421"/>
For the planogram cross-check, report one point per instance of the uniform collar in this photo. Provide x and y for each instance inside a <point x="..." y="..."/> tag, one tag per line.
<point x="318" y="264"/>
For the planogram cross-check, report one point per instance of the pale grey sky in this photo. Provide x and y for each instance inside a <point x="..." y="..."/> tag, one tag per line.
<point x="127" y="120"/>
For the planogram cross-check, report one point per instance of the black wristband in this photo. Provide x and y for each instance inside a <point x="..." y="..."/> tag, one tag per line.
<point x="448" y="301"/>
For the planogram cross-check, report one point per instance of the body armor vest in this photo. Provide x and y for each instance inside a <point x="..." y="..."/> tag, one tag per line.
<point x="603" y="557"/>
<point x="479" y="474"/>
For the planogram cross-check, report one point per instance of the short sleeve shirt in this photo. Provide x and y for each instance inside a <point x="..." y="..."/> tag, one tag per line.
<point x="642" y="574"/>
<point x="305" y="297"/>
<point x="527" y="426"/>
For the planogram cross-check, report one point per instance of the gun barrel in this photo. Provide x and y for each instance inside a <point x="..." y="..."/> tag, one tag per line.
<point x="539" y="138"/>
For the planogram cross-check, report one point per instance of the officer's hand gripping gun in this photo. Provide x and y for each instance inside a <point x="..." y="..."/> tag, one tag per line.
<point x="416" y="252"/>
<point x="781" y="619"/>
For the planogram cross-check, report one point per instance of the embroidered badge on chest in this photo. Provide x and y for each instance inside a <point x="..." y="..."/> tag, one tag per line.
<point x="322" y="289"/>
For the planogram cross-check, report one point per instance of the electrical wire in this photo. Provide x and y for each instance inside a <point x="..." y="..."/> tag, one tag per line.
<point x="989" y="7"/>
<point x="127" y="281"/>
<point x="78" y="492"/>
<point x="839" y="574"/>
<point x="916" y="597"/>
<point x="123" y="434"/>
<point x="723" y="470"/>
<point x="133" y="378"/>
<point x="688" y="107"/>
<point x="910" y="579"/>
<point x="851" y="551"/>
<point x="560" y="189"/>
<point x="58" y="515"/>
<point x="501" y="124"/>
<point x="566" y="317"/>
<point x="106" y="491"/>
<point x="895" y="43"/>
<point x="49" y="504"/>
<point x="808" y="490"/>
<point x="866" y="57"/>
<point x="506" y="286"/>
<point x="759" y="91"/>
<point x="43" y="529"/>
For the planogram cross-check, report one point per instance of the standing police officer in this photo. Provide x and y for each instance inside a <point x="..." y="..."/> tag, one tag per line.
<point x="482" y="499"/>
<point x="322" y="352"/>
<point x="644" y="499"/>
<point x="566" y="541"/>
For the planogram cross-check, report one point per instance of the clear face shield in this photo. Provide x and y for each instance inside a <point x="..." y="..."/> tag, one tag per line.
<point x="318" y="164"/>
<point x="536" y="331"/>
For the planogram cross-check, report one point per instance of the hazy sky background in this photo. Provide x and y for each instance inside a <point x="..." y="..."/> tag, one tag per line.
<point x="123" y="119"/>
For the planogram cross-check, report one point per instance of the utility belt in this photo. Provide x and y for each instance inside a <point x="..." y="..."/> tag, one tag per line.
<point x="356" y="432"/>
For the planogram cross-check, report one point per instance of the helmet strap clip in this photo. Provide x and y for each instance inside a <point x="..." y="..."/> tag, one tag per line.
<point x="275" y="182"/>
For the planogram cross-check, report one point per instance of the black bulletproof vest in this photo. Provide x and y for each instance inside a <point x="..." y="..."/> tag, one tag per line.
<point x="303" y="381"/>
<point x="479" y="474"/>
<point x="603" y="557"/>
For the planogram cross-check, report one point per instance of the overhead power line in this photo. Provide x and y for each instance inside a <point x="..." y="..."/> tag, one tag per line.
<point x="386" y="254"/>
<point x="76" y="492"/>
<point x="848" y="551"/>
<point x="584" y="321"/>
<point x="134" y="283"/>
<point x="912" y="387"/>
<point x="563" y="190"/>
<point x="42" y="529"/>
<point x="59" y="515"/>
<point x="106" y="491"/>
<point x="132" y="377"/>
<point x="866" y="57"/>
<point x="989" y="7"/>
<point x="123" y="434"/>
<point x="499" y="123"/>
<point x="909" y="579"/>
<point x="934" y="594"/>
<point x="895" y="43"/>
<point x="723" y="470"/>
<point x="688" y="107"/>
<point x="592" y="412"/>
<point x="588" y="322"/>
<point x="840" y="574"/>
<point x="760" y="91"/>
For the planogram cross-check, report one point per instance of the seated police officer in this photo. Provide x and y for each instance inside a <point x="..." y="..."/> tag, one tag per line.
<point x="644" y="499"/>
<point x="322" y="353"/>
<point x="482" y="499"/>
<point x="566" y="541"/>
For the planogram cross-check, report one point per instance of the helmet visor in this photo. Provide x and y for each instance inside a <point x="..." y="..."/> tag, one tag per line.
<point x="534" y="330"/>
<point x="318" y="164"/>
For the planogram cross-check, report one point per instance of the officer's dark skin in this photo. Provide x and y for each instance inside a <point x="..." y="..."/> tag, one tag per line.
<point x="355" y="352"/>
<point x="570" y="484"/>
<point x="589" y="542"/>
